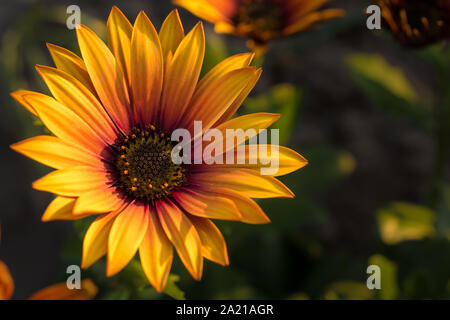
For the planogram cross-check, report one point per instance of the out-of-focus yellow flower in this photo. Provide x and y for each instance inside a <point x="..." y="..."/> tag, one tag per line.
<point x="113" y="114"/>
<point x="417" y="23"/>
<point x="261" y="20"/>
<point x="55" y="292"/>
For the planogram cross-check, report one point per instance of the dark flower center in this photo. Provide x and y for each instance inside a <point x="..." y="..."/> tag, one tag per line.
<point x="144" y="167"/>
<point x="259" y="19"/>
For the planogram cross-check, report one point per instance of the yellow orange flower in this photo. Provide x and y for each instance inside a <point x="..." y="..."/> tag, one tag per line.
<point x="113" y="113"/>
<point x="261" y="20"/>
<point x="55" y="292"/>
<point x="417" y="22"/>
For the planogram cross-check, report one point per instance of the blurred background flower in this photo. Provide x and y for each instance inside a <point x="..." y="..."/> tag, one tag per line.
<point x="417" y="22"/>
<point x="261" y="20"/>
<point x="371" y="116"/>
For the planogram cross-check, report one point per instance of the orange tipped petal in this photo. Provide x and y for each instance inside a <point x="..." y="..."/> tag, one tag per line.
<point x="181" y="77"/>
<point x="200" y="204"/>
<point x="214" y="247"/>
<point x="204" y="9"/>
<point x="95" y="241"/>
<point x="126" y="236"/>
<point x="210" y="104"/>
<point x="56" y="118"/>
<point x="55" y="153"/>
<point x="156" y="253"/>
<point x="240" y="98"/>
<point x="18" y="96"/>
<point x="251" y="212"/>
<point x="61" y="208"/>
<point x="171" y="33"/>
<point x="288" y="160"/>
<point x="248" y="182"/>
<point x="60" y="291"/>
<point x="71" y="93"/>
<point x="146" y="69"/>
<point x="98" y="201"/>
<point x="119" y="40"/>
<point x="107" y="77"/>
<point x="183" y="236"/>
<point x="70" y="63"/>
<point x="6" y="282"/>
<point x="73" y="181"/>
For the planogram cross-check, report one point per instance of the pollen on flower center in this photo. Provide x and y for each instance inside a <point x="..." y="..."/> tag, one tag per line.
<point x="144" y="167"/>
<point x="259" y="19"/>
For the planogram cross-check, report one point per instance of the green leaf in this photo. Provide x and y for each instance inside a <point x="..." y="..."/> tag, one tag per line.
<point x="172" y="289"/>
<point x="388" y="87"/>
<point x="403" y="221"/>
<point x="389" y="286"/>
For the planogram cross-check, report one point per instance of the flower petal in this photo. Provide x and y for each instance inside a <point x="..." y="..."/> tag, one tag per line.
<point x="249" y="125"/>
<point x="119" y="40"/>
<point x="107" y="77"/>
<point x="203" y="205"/>
<point x="181" y="77"/>
<point x="61" y="208"/>
<point x="203" y="9"/>
<point x="307" y="22"/>
<point x="65" y="124"/>
<point x="287" y="160"/>
<point x="125" y="237"/>
<point x="73" y="182"/>
<point x="248" y="182"/>
<point x="210" y="104"/>
<point x="232" y="63"/>
<point x="183" y="235"/>
<point x="156" y="253"/>
<point x="6" y="282"/>
<point x="70" y="63"/>
<point x="251" y="212"/>
<point x="95" y="241"/>
<point x="98" y="201"/>
<point x="55" y="153"/>
<point x="214" y="247"/>
<point x="240" y="99"/>
<point x="60" y="291"/>
<point x="71" y="93"/>
<point x="18" y="96"/>
<point x="146" y="70"/>
<point x="171" y="33"/>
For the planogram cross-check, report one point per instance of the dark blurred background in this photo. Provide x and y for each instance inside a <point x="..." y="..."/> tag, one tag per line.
<point x="357" y="105"/>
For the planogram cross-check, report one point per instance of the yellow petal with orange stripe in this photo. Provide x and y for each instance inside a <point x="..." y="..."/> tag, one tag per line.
<point x="200" y="204"/>
<point x="95" y="241"/>
<point x="61" y="208"/>
<point x="119" y="40"/>
<point x="183" y="236"/>
<point x="182" y="77"/>
<point x="248" y="182"/>
<point x="107" y="77"/>
<point x="156" y="253"/>
<point x="126" y="236"/>
<point x="214" y="247"/>
<point x="56" y="118"/>
<point x="73" y="181"/>
<point x="146" y="70"/>
<point x="171" y="34"/>
<point x="69" y="62"/>
<point x="55" y="153"/>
